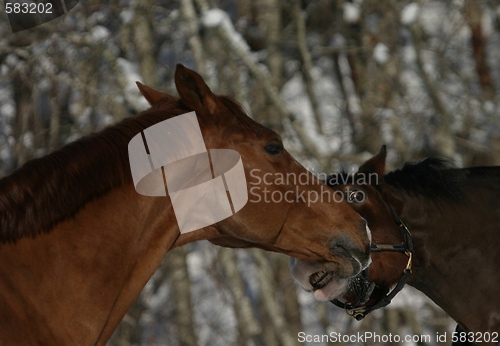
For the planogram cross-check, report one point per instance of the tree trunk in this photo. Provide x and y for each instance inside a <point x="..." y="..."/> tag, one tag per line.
<point x="181" y="296"/>
<point x="143" y="38"/>
<point x="248" y="327"/>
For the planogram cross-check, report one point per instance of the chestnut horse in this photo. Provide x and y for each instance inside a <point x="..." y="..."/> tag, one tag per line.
<point x="444" y="224"/>
<point x="78" y="243"/>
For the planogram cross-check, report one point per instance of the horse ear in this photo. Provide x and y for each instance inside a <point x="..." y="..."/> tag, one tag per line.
<point x="193" y="91"/>
<point x="151" y="94"/>
<point x="376" y="164"/>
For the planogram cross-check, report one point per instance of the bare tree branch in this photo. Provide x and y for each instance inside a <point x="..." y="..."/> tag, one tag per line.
<point x="274" y="309"/>
<point x="189" y="13"/>
<point x="247" y="324"/>
<point x="307" y="65"/>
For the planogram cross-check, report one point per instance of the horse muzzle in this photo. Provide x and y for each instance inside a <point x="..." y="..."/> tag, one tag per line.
<point x="328" y="280"/>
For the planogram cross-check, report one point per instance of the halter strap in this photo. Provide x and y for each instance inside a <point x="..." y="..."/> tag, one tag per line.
<point x="358" y="309"/>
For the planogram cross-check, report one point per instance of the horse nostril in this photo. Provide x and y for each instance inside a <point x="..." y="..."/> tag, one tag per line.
<point x="342" y="246"/>
<point x="346" y="248"/>
<point x="340" y="250"/>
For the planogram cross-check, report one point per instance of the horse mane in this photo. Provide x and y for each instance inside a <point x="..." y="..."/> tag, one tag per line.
<point x="435" y="178"/>
<point x="48" y="190"/>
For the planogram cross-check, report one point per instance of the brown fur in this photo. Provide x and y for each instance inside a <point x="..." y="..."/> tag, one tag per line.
<point x="79" y="242"/>
<point x="453" y="217"/>
<point x="53" y="188"/>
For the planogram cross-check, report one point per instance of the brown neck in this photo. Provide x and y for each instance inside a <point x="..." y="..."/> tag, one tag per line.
<point x="73" y="285"/>
<point x="449" y="246"/>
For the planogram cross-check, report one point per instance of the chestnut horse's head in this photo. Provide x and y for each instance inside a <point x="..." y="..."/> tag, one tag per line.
<point x="288" y="209"/>
<point x="364" y="194"/>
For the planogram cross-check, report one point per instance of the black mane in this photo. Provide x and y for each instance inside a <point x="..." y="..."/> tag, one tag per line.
<point x="434" y="177"/>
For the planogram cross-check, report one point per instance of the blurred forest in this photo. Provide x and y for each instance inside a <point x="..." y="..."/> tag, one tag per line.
<point x="336" y="78"/>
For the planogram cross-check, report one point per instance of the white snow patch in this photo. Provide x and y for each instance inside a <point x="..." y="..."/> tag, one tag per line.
<point x="489" y="107"/>
<point x="409" y="54"/>
<point x="295" y="96"/>
<point x="7" y="110"/>
<point x="217" y="18"/>
<point x="487" y="22"/>
<point x="107" y="119"/>
<point x="5" y="153"/>
<point x="352" y="12"/>
<point x="130" y="74"/>
<point x="85" y="116"/>
<point x="126" y="16"/>
<point x="386" y="130"/>
<point x="11" y="60"/>
<point x="8" y="130"/>
<point x="4" y="70"/>
<point x="28" y="140"/>
<point x="214" y="17"/>
<point x="409" y="14"/>
<point x="100" y="34"/>
<point x="381" y="53"/>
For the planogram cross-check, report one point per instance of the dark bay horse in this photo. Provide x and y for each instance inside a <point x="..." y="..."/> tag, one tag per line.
<point x="435" y="226"/>
<point x="78" y="243"/>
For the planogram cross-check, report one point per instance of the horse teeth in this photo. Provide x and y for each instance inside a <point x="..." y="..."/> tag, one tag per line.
<point x="320" y="279"/>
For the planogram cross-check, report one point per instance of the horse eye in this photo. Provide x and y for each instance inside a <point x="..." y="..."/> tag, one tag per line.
<point x="274" y="148"/>
<point x="356" y="196"/>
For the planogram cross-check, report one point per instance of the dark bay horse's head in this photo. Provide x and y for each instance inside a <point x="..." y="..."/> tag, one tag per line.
<point x="364" y="194"/>
<point x="288" y="209"/>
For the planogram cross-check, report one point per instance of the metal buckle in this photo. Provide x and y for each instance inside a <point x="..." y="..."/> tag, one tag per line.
<point x="410" y="261"/>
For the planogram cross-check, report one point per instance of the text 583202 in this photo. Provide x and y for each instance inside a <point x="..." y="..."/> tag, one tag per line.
<point x="26" y="8"/>
<point x="477" y="337"/>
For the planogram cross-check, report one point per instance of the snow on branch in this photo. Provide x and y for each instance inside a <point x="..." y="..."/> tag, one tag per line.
<point x="128" y="74"/>
<point x="219" y="21"/>
<point x="188" y="12"/>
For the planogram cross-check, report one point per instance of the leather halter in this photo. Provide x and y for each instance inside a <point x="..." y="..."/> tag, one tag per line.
<point x="358" y="309"/>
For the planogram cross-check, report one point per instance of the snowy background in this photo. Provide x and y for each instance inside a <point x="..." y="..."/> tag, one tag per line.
<point x="336" y="78"/>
